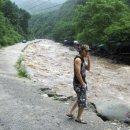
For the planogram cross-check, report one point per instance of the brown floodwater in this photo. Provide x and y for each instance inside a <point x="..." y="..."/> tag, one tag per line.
<point x="51" y="64"/>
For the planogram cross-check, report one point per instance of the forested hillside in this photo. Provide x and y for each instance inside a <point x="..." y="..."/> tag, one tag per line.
<point x="50" y="25"/>
<point x="13" y="23"/>
<point x="89" y="21"/>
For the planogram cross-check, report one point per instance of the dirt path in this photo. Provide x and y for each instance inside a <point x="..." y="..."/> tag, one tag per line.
<point x="9" y="56"/>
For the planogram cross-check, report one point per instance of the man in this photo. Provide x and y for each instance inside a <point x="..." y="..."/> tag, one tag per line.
<point x="79" y="82"/>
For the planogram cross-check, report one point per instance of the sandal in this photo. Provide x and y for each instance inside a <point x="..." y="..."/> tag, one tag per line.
<point x="81" y="121"/>
<point x="70" y="115"/>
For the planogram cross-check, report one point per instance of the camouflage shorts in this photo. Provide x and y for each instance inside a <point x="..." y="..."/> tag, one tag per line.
<point x="81" y="94"/>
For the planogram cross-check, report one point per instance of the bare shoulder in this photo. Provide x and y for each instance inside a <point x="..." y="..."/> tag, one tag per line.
<point x="77" y="61"/>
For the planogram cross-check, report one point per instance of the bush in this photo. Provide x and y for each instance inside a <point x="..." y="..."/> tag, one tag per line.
<point x="21" y="67"/>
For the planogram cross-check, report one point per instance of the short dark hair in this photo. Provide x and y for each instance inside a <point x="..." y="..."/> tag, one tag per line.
<point x="84" y="47"/>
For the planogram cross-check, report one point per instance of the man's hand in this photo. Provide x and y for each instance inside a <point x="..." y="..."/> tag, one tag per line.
<point x="88" y="61"/>
<point x="88" y="56"/>
<point x="83" y="85"/>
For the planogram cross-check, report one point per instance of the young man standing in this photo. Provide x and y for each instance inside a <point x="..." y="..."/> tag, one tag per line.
<point x="79" y="82"/>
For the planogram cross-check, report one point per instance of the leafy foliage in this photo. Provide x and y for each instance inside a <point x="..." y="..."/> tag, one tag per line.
<point x="102" y="21"/>
<point x="90" y="21"/>
<point x="42" y="25"/>
<point x="63" y="30"/>
<point x="13" y="23"/>
<point x="8" y="35"/>
<point x="56" y="25"/>
<point x="21" y="67"/>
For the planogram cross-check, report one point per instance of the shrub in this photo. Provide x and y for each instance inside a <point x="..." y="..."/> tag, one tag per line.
<point x="21" y="67"/>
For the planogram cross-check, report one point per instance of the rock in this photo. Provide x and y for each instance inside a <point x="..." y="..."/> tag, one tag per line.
<point x="91" y="106"/>
<point x="44" y="89"/>
<point x="34" y="81"/>
<point x="67" y="103"/>
<point x="113" y="110"/>
<point x="62" y="98"/>
<point x="108" y="129"/>
<point x="71" y="98"/>
<point x="114" y="123"/>
<point x="44" y="95"/>
<point x="50" y="93"/>
<point x="127" y="120"/>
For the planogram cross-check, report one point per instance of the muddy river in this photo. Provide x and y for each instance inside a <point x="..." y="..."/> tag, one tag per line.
<point x="51" y="64"/>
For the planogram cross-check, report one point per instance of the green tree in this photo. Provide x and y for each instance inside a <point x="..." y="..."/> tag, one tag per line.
<point x="23" y="20"/>
<point x="8" y="35"/>
<point x="57" y="25"/>
<point x="96" y="19"/>
<point x="1" y="2"/>
<point x="17" y="17"/>
<point x="12" y="28"/>
<point x="63" y="30"/>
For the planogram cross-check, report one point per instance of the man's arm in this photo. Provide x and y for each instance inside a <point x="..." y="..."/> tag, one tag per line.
<point x="77" y="63"/>
<point x="88" y="66"/>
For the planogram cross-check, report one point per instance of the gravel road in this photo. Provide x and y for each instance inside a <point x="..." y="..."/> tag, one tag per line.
<point x="23" y="108"/>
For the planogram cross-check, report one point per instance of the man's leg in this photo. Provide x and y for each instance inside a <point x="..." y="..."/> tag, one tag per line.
<point x="79" y="120"/>
<point x="80" y="111"/>
<point x="73" y="108"/>
<point x="82" y="103"/>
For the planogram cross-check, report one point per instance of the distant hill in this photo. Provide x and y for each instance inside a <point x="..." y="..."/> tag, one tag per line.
<point x="55" y="24"/>
<point x="41" y="6"/>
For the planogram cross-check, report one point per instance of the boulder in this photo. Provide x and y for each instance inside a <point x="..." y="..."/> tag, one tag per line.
<point x="113" y="110"/>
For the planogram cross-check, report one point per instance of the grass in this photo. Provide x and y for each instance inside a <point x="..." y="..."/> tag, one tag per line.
<point x="21" y="67"/>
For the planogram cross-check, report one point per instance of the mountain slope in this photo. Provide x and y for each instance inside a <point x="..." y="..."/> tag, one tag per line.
<point x="48" y="25"/>
<point x="41" y="6"/>
<point x="13" y="23"/>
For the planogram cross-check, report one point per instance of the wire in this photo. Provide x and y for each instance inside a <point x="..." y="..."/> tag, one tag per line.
<point x="41" y="13"/>
<point x="34" y="2"/>
<point x="38" y="5"/>
<point x="49" y="7"/>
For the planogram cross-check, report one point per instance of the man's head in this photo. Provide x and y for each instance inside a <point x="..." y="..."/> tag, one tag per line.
<point x="84" y="50"/>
